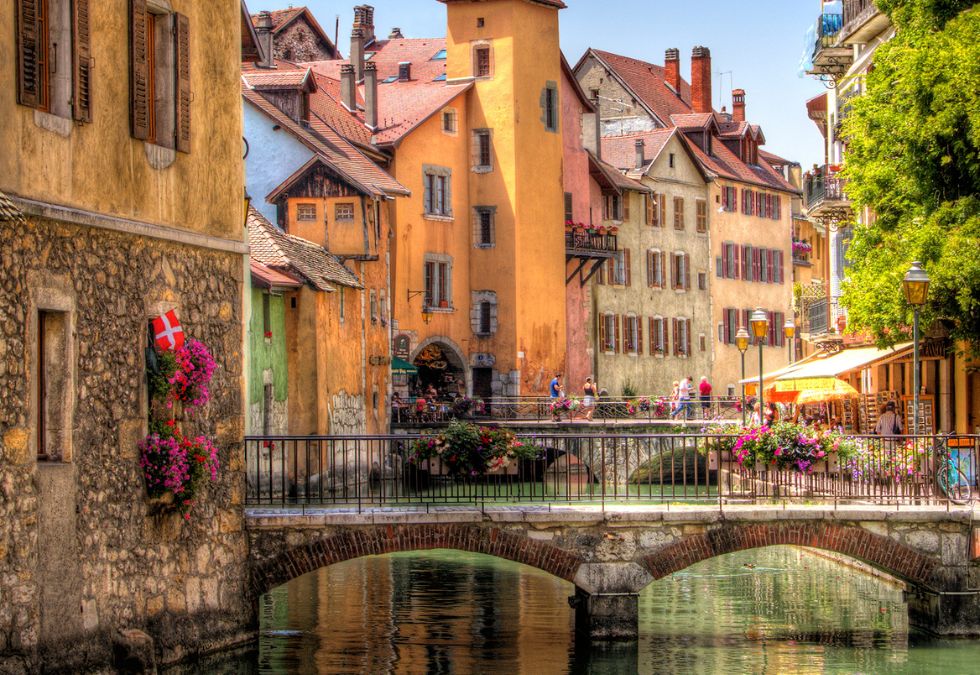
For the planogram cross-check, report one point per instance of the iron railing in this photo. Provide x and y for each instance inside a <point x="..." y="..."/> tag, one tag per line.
<point x="828" y="28"/>
<point x="823" y="185"/>
<point x="665" y="469"/>
<point x="539" y="409"/>
<point x="589" y="240"/>
<point x="856" y="14"/>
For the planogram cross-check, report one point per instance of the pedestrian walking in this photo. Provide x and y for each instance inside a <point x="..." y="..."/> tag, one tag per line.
<point x="704" y="389"/>
<point x="684" y="398"/>
<point x="590" y="394"/>
<point x="556" y="392"/>
<point x="890" y="422"/>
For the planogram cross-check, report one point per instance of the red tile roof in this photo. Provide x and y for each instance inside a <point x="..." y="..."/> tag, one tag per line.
<point x="347" y="160"/>
<point x="296" y="257"/>
<point x="402" y="106"/>
<point x="266" y="277"/>
<point x="620" y="151"/>
<point x="603" y="171"/>
<point x="281" y="79"/>
<point x="648" y="83"/>
<point x="692" y="120"/>
<point x="725" y="164"/>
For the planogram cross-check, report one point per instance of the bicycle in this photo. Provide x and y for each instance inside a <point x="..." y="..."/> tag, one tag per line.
<point x="951" y="481"/>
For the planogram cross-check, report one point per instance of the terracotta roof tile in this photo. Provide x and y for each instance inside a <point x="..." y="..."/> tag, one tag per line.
<point x="647" y="80"/>
<point x="280" y="17"/>
<point x="261" y="79"/>
<point x="266" y="277"/>
<point x="620" y="151"/>
<point x="387" y="54"/>
<point x="726" y="164"/>
<point x="601" y="169"/>
<point x="296" y="257"/>
<point x="402" y="106"/>
<point x="776" y="160"/>
<point x="9" y="212"/>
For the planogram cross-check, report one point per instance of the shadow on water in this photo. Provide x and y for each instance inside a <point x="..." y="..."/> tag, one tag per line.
<point x="775" y="610"/>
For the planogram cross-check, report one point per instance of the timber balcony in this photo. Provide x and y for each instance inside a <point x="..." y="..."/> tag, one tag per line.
<point x="862" y="22"/>
<point x="829" y="56"/>
<point x="823" y="193"/>
<point x="589" y="249"/>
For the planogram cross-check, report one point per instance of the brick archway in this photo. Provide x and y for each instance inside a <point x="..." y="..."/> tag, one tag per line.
<point x="351" y="544"/>
<point x="882" y="553"/>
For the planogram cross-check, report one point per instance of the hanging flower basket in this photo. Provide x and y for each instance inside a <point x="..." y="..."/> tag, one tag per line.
<point x="176" y="469"/>
<point x="469" y="450"/>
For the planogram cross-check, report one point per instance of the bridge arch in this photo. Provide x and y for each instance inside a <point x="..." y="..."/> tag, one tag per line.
<point x="883" y="553"/>
<point x="296" y="561"/>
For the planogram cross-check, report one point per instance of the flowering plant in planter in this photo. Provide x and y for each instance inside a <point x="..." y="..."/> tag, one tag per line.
<point x="472" y="450"/>
<point x="658" y="406"/>
<point x="790" y="446"/>
<point x="563" y="404"/>
<point x="182" y="375"/>
<point x="177" y="467"/>
<point x="801" y="247"/>
<point x="462" y="406"/>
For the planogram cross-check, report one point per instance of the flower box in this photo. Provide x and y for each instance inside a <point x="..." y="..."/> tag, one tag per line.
<point x="761" y="467"/>
<point x="717" y="458"/>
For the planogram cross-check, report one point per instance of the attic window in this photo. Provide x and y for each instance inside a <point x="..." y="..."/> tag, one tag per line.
<point x="441" y="78"/>
<point x="389" y="80"/>
<point x="405" y="71"/>
<point x="440" y="55"/>
<point x="479" y="22"/>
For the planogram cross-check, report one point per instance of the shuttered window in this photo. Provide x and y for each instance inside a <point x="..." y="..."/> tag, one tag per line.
<point x="678" y="213"/>
<point x="53" y="57"/>
<point x="702" y="215"/>
<point x="160" y="77"/>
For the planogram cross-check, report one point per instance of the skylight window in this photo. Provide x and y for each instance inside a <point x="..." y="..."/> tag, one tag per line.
<point x="440" y="55"/>
<point x="441" y="78"/>
<point x="389" y="80"/>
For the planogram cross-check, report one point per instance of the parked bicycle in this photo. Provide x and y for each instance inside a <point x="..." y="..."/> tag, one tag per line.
<point x="952" y="480"/>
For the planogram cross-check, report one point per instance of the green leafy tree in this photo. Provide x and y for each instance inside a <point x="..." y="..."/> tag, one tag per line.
<point x="914" y="159"/>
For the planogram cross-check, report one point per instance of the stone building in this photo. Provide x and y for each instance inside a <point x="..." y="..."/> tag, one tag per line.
<point x="130" y="181"/>
<point x="293" y="35"/>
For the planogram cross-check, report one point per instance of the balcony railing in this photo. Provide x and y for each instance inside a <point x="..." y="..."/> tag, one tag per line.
<point x="828" y="27"/>
<point x="828" y="56"/>
<point x="822" y="186"/>
<point x="862" y="21"/>
<point x="589" y="241"/>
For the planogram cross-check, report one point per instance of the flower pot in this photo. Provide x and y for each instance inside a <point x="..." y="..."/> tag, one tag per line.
<point x="819" y="466"/>
<point x="833" y="462"/>
<point x="761" y="467"/>
<point x="509" y="470"/>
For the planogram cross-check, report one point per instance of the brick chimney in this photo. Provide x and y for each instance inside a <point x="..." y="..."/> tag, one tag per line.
<point x="364" y="19"/>
<point x="263" y="30"/>
<point x="640" y="154"/>
<point x="738" y="105"/>
<point x="357" y="53"/>
<point x="347" y="85"/>
<point x="371" y="95"/>
<point x="672" y="69"/>
<point x="396" y="34"/>
<point x="701" y="80"/>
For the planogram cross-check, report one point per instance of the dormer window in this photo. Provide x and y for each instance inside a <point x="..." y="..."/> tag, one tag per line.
<point x="405" y="71"/>
<point x="439" y="56"/>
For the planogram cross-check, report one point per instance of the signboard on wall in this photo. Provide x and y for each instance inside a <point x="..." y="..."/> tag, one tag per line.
<point x="402" y="346"/>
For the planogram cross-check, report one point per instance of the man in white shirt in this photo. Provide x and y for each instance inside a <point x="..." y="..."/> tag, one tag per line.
<point x="684" y="397"/>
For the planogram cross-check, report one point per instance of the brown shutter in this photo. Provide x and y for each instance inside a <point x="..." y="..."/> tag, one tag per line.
<point x="660" y="203"/>
<point x="649" y="269"/>
<point x="687" y="271"/>
<point x="602" y="332"/>
<point x="629" y="268"/>
<point x="653" y="336"/>
<point x="673" y="327"/>
<point x="626" y="205"/>
<point x="673" y="270"/>
<point x="28" y="44"/>
<point x="139" y="67"/>
<point x="648" y="201"/>
<point x="182" y="54"/>
<point x="81" y="63"/>
<point x="639" y="335"/>
<point x="688" y="337"/>
<point x="616" y="334"/>
<point x="663" y="272"/>
<point x="726" y="316"/>
<point x="738" y="257"/>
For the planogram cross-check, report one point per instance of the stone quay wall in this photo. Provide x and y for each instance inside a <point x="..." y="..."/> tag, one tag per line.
<point x="81" y="554"/>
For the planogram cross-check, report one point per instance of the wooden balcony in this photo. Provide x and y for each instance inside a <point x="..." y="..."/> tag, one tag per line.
<point x="585" y="247"/>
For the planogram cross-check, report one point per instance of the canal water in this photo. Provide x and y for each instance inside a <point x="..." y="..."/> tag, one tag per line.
<point x="762" y="612"/>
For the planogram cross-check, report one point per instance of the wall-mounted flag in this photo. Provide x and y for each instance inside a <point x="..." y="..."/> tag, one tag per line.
<point x="169" y="334"/>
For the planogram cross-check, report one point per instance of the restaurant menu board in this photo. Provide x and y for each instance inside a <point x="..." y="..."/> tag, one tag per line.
<point x="927" y="417"/>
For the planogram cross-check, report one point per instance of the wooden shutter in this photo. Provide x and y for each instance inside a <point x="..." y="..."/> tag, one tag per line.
<point x="688" y="326"/>
<point x="616" y="333"/>
<point x="139" y="67"/>
<point x="602" y="332"/>
<point x="724" y="198"/>
<point x="182" y="66"/>
<point x="726" y="324"/>
<point x="769" y="266"/>
<point x="81" y="63"/>
<point x="649" y="269"/>
<point x="28" y="46"/>
<point x="687" y="271"/>
<point x="663" y="272"/>
<point x="628" y="272"/>
<point x="724" y="261"/>
<point x="738" y="260"/>
<point x="780" y="265"/>
<point x="648" y="202"/>
<point x="673" y="328"/>
<point x="653" y="336"/>
<point x="639" y="335"/>
<point x="626" y="205"/>
<point x="660" y="206"/>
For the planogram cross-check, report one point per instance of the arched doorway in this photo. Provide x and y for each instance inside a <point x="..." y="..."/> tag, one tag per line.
<point x="440" y="365"/>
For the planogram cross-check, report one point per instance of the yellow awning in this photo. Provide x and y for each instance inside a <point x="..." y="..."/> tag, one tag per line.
<point x="843" y="362"/>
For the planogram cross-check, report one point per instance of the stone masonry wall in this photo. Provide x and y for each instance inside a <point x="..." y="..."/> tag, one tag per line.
<point x="80" y="555"/>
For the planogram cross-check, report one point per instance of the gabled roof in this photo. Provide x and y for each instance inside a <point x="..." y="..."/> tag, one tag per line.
<point x="647" y="82"/>
<point x="8" y="212"/>
<point x="387" y="54"/>
<point x="339" y="154"/>
<point x="283" y="18"/>
<point x="725" y="164"/>
<point x="251" y="49"/>
<point x="694" y="121"/>
<point x="620" y="151"/>
<point x="608" y="176"/>
<point x="296" y="257"/>
<point x="403" y="106"/>
<point x="266" y="277"/>
<point x="282" y="79"/>
<point x="776" y="160"/>
<point x="576" y="87"/>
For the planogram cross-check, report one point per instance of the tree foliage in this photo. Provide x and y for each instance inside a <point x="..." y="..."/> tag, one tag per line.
<point x="914" y="160"/>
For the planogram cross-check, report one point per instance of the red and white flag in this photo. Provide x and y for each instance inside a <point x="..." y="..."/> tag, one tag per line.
<point x="168" y="332"/>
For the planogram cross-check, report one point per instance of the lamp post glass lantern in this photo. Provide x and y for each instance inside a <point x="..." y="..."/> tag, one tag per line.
<point x="742" y="342"/>
<point x="916" y="287"/>
<point x="760" y="326"/>
<point x="789" y="329"/>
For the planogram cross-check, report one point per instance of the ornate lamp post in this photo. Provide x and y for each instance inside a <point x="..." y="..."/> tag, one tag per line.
<point x="916" y="286"/>
<point x="760" y="327"/>
<point x="789" y="328"/>
<point x="742" y="342"/>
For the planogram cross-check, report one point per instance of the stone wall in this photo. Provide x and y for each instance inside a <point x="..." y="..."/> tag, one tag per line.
<point x="298" y="42"/>
<point x="80" y="555"/>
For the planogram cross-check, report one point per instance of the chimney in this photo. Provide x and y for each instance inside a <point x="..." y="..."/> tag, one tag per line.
<point x="371" y="95"/>
<point x="347" y="86"/>
<point x="264" y="32"/>
<point x="701" y="80"/>
<point x="396" y="34"/>
<point x="364" y="19"/>
<point x="738" y="105"/>
<point x="357" y="53"/>
<point x="404" y="71"/>
<point x="640" y="158"/>
<point x="672" y="69"/>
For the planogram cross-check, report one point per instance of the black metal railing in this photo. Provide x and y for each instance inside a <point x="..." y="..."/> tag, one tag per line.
<point x="816" y="317"/>
<point x="828" y="28"/>
<point x="379" y="471"/>
<point x="823" y="185"/>
<point x="856" y="13"/>
<point x="589" y="240"/>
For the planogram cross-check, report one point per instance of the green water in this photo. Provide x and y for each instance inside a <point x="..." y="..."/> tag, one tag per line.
<point x="768" y="611"/>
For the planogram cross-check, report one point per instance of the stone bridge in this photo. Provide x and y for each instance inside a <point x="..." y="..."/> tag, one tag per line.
<point x="610" y="555"/>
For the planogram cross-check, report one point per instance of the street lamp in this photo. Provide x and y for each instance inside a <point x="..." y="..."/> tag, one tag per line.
<point x="789" y="328"/>
<point x="916" y="286"/>
<point x="742" y="342"/>
<point x="760" y="327"/>
<point x="426" y="314"/>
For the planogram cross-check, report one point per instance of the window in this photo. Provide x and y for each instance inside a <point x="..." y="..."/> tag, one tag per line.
<point x="630" y="335"/>
<point x="568" y="206"/>
<point x="609" y="332"/>
<point x="680" y="271"/>
<point x="160" y="76"/>
<point x="54" y="64"/>
<point x="449" y="120"/>
<point x="655" y="269"/>
<point x="267" y="315"/>
<point x="439" y="55"/>
<point x="658" y="335"/>
<point x="682" y="337"/>
<point x="374" y="307"/>
<point x="484" y="317"/>
<point x="549" y="106"/>
<point x="728" y="198"/>
<point x="613" y="207"/>
<point x="678" y="213"/>
<point x="483" y="226"/>
<point x="479" y="24"/>
<point x="482" y="61"/>
<point x="702" y="281"/>
<point x="344" y="211"/>
<point x="483" y="313"/>
<point x="621" y="269"/>
<point x="437" y="189"/>
<point x="655" y="210"/>
<point x="343" y="303"/>
<point x="53" y="383"/>
<point x="671" y="159"/>
<point x="594" y="95"/>
<point x="438" y="281"/>
<point x="482" y="151"/>
<point x="702" y="215"/>
<point x="702" y="342"/>
<point x="306" y="212"/>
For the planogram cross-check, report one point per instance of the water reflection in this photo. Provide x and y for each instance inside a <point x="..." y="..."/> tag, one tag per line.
<point x="776" y="610"/>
